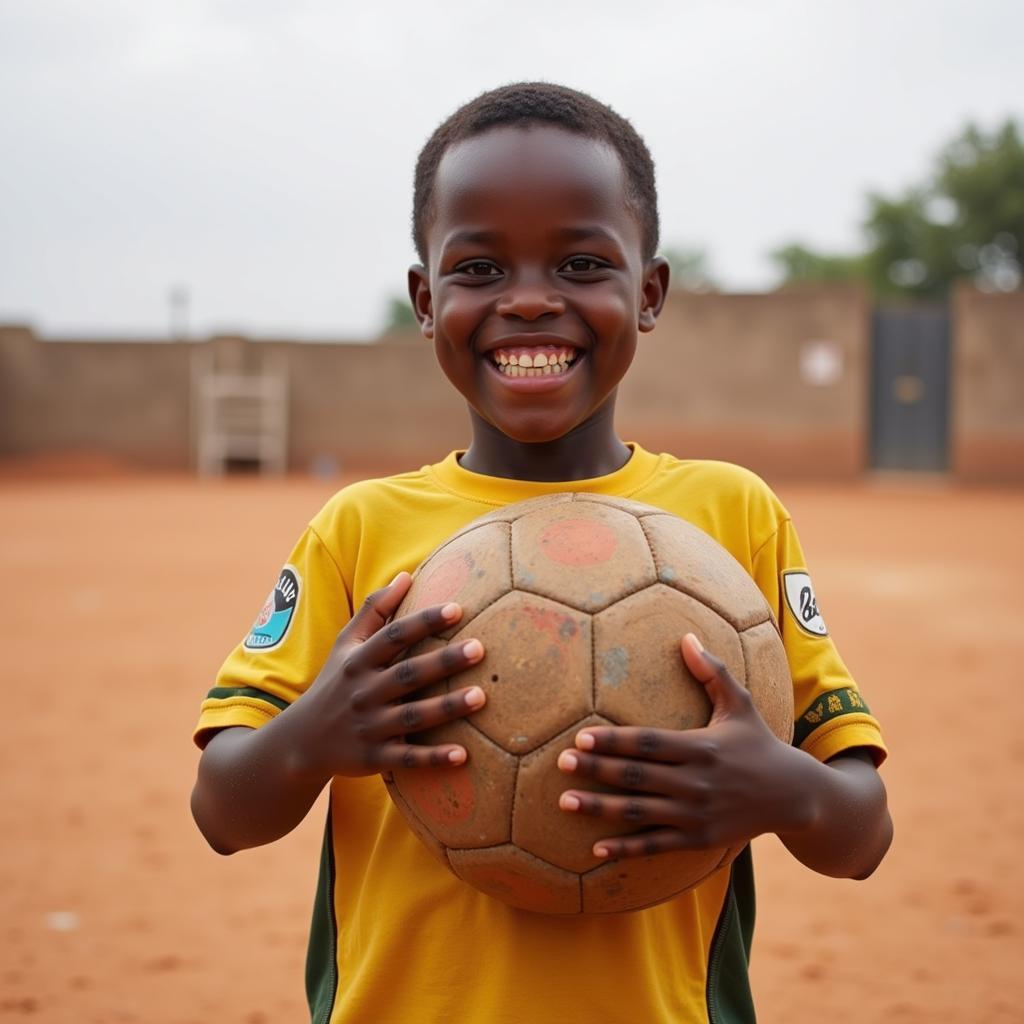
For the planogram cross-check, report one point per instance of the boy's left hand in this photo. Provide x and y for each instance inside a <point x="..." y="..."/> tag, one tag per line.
<point x="702" y="788"/>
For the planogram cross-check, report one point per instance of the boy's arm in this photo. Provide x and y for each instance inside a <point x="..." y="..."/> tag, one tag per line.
<point x="852" y="830"/>
<point x="729" y="782"/>
<point x="256" y="785"/>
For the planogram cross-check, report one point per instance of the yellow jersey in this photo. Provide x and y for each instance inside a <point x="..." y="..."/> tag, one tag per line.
<point x="398" y="938"/>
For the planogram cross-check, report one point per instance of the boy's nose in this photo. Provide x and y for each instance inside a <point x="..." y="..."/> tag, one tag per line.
<point x="530" y="300"/>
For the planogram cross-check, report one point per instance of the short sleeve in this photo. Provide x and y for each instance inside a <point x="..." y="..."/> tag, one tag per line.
<point x="831" y="713"/>
<point x="286" y="646"/>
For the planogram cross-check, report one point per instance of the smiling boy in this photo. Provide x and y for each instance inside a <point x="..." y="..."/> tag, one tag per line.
<point x="535" y="219"/>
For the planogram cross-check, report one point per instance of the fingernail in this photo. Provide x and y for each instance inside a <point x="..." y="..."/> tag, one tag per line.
<point x="450" y="612"/>
<point x="600" y="851"/>
<point x="696" y="640"/>
<point x="585" y="741"/>
<point x="473" y="650"/>
<point x="475" y="697"/>
<point x="397" y="578"/>
<point x="568" y="761"/>
<point x="456" y="756"/>
<point x="568" y="802"/>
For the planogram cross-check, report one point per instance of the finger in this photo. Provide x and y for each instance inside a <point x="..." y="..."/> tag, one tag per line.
<point x="393" y="638"/>
<point x="647" y="844"/>
<point x="633" y="810"/>
<point x="626" y="773"/>
<point x="669" y="746"/>
<point x="418" y="715"/>
<point x="725" y="692"/>
<point x="411" y="674"/>
<point x="408" y="755"/>
<point x="376" y="610"/>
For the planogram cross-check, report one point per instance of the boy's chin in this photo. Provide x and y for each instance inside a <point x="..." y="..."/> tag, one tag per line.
<point x="532" y="433"/>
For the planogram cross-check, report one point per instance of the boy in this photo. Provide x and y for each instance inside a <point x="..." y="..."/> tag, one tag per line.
<point x="535" y="217"/>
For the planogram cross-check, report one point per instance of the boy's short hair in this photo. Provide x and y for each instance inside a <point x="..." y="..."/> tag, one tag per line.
<point x="525" y="104"/>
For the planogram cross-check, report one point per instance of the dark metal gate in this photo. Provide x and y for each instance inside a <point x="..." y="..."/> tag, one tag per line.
<point x="910" y="389"/>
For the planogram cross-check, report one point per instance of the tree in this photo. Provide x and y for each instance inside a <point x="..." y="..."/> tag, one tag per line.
<point x="399" y="315"/>
<point x="798" y="263"/>
<point x="965" y="220"/>
<point x="689" y="268"/>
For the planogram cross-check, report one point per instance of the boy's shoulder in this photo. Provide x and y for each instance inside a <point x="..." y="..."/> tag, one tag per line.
<point x="372" y="495"/>
<point x="729" y="474"/>
<point x="719" y="482"/>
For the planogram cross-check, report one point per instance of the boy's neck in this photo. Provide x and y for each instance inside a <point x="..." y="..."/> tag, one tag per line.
<point x="591" y="450"/>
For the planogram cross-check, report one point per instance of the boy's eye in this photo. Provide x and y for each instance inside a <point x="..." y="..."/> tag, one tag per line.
<point x="582" y="264"/>
<point x="478" y="268"/>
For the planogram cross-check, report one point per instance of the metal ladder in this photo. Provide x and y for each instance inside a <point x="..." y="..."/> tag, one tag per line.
<point x="240" y="399"/>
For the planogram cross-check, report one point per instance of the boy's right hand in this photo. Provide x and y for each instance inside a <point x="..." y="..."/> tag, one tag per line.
<point x="356" y="718"/>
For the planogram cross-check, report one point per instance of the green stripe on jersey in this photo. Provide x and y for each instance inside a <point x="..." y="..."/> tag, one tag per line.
<point x="225" y="692"/>
<point x="322" y="953"/>
<point x="728" y="985"/>
<point x="828" y="706"/>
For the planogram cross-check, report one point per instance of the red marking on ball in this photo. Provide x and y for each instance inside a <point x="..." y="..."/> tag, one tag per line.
<point x="444" y="582"/>
<point x="557" y="625"/>
<point x="508" y="884"/>
<point x="579" y="542"/>
<point x="445" y="796"/>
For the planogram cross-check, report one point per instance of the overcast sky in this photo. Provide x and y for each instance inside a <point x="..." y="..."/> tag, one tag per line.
<point x="260" y="153"/>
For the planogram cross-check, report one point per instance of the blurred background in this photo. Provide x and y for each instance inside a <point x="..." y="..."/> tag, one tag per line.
<point x="211" y="170"/>
<point x="204" y="236"/>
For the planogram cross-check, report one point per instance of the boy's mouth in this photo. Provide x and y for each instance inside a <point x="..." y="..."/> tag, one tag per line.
<point x="534" y="361"/>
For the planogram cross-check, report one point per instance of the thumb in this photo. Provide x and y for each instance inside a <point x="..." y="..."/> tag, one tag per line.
<point x="376" y="610"/>
<point x="726" y="694"/>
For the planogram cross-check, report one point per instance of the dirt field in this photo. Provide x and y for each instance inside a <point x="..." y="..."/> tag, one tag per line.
<point x="121" y="595"/>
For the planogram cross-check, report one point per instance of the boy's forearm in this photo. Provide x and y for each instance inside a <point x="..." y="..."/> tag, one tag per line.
<point x="848" y="829"/>
<point x="253" y="785"/>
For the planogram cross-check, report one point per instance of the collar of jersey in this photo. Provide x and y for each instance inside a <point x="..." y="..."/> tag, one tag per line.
<point x="496" y="490"/>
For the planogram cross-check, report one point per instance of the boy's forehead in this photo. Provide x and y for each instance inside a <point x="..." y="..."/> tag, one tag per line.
<point x="507" y="165"/>
<point x="526" y="152"/>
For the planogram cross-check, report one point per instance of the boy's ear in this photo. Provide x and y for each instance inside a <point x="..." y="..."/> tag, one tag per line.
<point x="652" y="298"/>
<point x="419" y="296"/>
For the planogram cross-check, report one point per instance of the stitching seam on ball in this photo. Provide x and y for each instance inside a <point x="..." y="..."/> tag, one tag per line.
<point x="512" y="804"/>
<point x="650" y="550"/>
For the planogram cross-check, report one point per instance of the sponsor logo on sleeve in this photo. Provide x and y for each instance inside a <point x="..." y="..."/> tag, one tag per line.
<point x="275" y="617"/>
<point x="803" y="605"/>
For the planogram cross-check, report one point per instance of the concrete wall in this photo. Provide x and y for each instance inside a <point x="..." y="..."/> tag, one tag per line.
<point x="372" y="407"/>
<point x="125" y="399"/>
<point x="987" y="435"/>
<point x="723" y="376"/>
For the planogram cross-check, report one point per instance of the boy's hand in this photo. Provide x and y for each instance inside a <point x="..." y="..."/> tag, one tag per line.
<point x="703" y="788"/>
<point x="355" y="717"/>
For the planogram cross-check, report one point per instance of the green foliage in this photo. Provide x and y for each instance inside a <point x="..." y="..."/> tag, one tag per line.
<point x="798" y="263"/>
<point x="690" y="269"/>
<point x="399" y="316"/>
<point x="965" y="220"/>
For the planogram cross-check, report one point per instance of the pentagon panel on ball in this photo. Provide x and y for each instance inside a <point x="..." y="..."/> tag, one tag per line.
<point x="580" y="601"/>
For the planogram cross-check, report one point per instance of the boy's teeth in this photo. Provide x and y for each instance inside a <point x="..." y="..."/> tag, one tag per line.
<point x="535" y="364"/>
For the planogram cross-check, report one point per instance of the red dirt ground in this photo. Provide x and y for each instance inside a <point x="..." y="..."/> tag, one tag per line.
<point x="121" y="595"/>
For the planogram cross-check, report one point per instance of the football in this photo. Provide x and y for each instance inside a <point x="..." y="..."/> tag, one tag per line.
<point x="580" y="601"/>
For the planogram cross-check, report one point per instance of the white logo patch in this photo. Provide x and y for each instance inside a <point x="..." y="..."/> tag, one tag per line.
<point x="275" y="617"/>
<point x="802" y="602"/>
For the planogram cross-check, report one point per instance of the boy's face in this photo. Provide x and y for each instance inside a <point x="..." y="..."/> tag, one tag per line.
<point x="535" y="257"/>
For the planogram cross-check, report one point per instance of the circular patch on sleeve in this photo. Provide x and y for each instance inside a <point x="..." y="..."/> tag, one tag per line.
<point x="276" y="615"/>
<point x="803" y="605"/>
